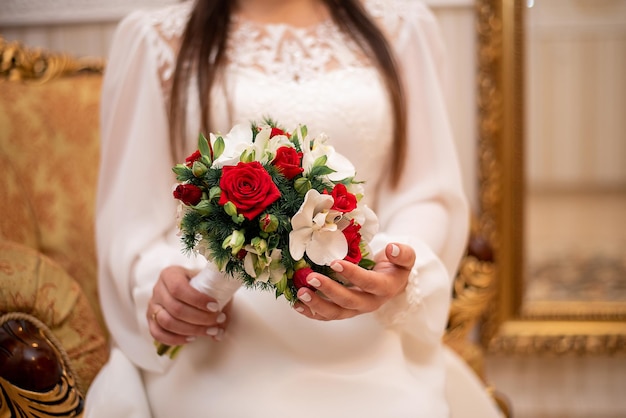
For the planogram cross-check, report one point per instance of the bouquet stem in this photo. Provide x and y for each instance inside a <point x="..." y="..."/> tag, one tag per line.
<point x="212" y="282"/>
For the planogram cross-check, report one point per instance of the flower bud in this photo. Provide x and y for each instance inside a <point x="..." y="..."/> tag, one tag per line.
<point x="281" y="285"/>
<point x="230" y="208"/>
<point x="268" y="223"/>
<point x="247" y="156"/>
<point x="198" y="169"/>
<point x="299" y="278"/>
<point x="189" y="194"/>
<point x="260" y="245"/>
<point x="300" y="264"/>
<point x="235" y="242"/>
<point x="302" y="185"/>
<point x="203" y="208"/>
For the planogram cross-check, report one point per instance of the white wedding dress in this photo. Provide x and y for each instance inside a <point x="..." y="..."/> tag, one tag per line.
<point x="273" y="362"/>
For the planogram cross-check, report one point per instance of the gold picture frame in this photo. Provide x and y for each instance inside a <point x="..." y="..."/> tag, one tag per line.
<point x="506" y="330"/>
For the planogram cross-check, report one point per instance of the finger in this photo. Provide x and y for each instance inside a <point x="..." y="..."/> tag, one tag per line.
<point x="401" y="255"/>
<point x="181" y="310"/>
<point x="320" y="307"/>
<point x="368" y="281"/>
<point x="177" y="280"/>
<point x="170" y="325"/>
<point x="162" y="335"/>
<point x="347" y="297"/>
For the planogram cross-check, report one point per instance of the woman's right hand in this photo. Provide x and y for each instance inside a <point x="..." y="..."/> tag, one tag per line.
<point x="177" y="313"/>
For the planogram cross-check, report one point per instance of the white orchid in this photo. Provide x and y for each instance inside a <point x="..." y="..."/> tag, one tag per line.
<point x="262" y="264"/>
<point x="265" y="147"/>
<point x="342" y="166"/>
<point x="315" y="231"/>
<point x="235" y="143"/>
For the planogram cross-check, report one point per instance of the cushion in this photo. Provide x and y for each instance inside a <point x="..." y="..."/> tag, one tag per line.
<point x="34" y="284"/>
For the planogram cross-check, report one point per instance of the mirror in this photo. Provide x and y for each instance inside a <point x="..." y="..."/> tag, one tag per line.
<point x="552" y="158"/>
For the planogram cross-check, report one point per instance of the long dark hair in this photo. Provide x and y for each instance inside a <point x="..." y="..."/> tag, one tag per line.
<point x="204" y="41"/>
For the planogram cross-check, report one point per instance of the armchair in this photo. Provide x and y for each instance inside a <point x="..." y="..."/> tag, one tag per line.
<point x="53" y="339"/>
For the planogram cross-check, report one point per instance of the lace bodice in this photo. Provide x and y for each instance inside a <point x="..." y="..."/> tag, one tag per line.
<point x="289" y="53"/>
<point x="276" y="50"/>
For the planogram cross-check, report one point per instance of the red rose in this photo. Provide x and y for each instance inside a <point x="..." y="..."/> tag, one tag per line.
<point x="344" y="201"/>
<point x="189" y="194"/>
<point x="278" y="131"/>
<point x="353" y="236"/>
<point x="299" y="277"/>
<point x="288" y="160"/>
<point x="249" y="187"/>
<point x="193" y="158"/>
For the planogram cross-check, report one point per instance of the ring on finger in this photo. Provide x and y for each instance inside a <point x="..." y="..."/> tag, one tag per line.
<point x="156" y="312"/>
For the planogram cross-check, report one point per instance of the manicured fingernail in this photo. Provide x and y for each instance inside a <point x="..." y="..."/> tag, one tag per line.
<point x="221" y="318"/>
<point x="213" y="306"/>
<point x="191" y="339"/>
<point x="219" y="335"/>
<point x="305" y="297"/>
<point x="337" y="267"/>
<point x="395" y="250"/>
<point x="314" y="282"/>
<point x="213" y="331"/>
<point x="300" y="309"/>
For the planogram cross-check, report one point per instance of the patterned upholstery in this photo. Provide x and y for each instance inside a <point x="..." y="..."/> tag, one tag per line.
<point x="49" y="153"/>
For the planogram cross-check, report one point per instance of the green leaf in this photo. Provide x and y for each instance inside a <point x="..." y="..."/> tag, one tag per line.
<point x="204" y="146"/>
<point x="203" y="208"/>
<point x="320" y="161"/>
<point x="367" y="264"/>
<point x="302" y="185"/>
<point x="218" y="147"/>
<point x="214" y="192"/>
<point x="181" y="170"/>
<point x="321" y="171"/>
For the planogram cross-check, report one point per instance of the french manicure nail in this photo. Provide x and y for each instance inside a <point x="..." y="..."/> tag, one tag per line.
<point x="213" y="306"/>
<point x="190" y="339"/>
<point x="219" y="335"/>
<point x="305" y="297"/>
<point x="213" y="331"/>
<point x="336" y="267"/>
<point x="300" y="309"/>
<point x="395" y="250"/>
<point x="221" y="318"/>
<point x="314" y="282"/>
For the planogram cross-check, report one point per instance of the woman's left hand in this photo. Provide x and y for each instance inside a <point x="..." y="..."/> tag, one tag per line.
<point x="369" y="289"/>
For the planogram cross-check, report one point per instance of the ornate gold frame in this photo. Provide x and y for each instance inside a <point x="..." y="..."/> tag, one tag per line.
<point x="501" y="140"/>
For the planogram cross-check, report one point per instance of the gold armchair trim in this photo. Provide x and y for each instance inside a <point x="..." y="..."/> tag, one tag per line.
<point x="20" y="63"/>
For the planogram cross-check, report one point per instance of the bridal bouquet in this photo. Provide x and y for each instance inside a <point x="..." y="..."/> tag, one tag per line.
<point x="266" y="207"/>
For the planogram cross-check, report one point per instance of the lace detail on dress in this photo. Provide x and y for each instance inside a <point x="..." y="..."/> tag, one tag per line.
<point x="168" y="24"/>
<point x="396" y="310"/>
<point x="389" y="14"/>
<point x="291" y="53"/>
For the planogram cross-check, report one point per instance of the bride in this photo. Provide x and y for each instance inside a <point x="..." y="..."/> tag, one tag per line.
<point x="368" y="75"/>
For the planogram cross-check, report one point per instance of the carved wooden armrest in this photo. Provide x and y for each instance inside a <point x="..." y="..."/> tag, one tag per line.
<point x="36" y="379"/>
<point x="473" y="291"/>
<point x="51" y="344"/>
